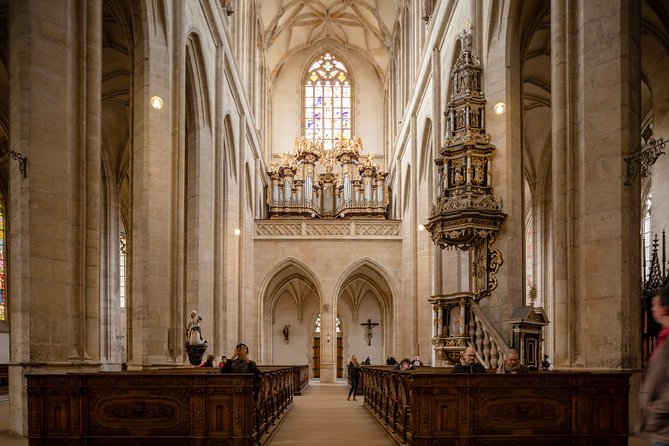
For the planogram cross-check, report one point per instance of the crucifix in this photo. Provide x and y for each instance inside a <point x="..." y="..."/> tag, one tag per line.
<point x="370" y="325"/>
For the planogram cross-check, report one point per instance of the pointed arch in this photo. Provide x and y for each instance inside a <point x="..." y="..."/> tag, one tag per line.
<point x="426" y="152"/>
<point x="229" y="148"/>
<point x="366" y="277"/>
<point x="196" y="71"/>
<point x="379" y="277"/>
<point x="293" y="280"/>
<point x="248" y="183"/>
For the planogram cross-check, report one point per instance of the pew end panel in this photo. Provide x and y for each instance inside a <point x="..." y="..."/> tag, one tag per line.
<point x="155" y="407"/>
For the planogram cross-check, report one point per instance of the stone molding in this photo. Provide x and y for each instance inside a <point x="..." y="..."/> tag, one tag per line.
<point x="317" y="229"/>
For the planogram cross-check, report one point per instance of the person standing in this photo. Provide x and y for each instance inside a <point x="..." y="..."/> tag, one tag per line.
<point x="353" y="376"/>
<point x="654" y="395"/>
<point x="468" y="363"/>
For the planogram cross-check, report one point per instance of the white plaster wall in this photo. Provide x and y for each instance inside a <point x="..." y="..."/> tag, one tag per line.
<point x="299" y="348"/>
<point x="356" y="335"/>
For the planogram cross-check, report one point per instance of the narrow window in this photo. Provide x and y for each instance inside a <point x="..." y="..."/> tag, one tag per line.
<point x="122" y="245"/>
<point x="3" y="266"/>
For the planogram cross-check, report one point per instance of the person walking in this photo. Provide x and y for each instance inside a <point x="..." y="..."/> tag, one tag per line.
<point x="353" y="376"/>
<point x="654" y="395"/>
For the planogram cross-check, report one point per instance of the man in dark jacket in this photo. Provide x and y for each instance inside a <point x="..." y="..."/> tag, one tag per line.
<point x="468" y="363"/>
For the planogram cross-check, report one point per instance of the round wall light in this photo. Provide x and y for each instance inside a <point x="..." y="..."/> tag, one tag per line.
<point x="421" y="227"/>
<point x="157" y="102"/>
<point x="500" y="108"/>
<point x="237" y="231"/>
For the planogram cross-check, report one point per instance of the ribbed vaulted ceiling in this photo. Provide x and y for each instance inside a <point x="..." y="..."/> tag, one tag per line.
<point x="365" y="26"/>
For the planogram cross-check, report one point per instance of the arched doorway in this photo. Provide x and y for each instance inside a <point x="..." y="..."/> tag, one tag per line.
<point x="365" y="308"/>
<point x="291" y="306"/>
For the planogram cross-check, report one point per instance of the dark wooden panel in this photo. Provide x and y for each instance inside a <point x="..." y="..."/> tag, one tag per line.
<point x="432" y="407"/>
<point x="186" y="407"/>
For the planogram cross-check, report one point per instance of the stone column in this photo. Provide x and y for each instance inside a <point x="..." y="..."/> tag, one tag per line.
<point x="91" y="180"/>
<point x="149" y="307"/>
<point x="608" y="243"/>
<point x="562" y="297"/>
<point x="54" y="219"/>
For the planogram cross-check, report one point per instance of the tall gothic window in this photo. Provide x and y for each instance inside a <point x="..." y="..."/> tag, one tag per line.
<point x="327" y="101"/>
<point x="3" y="266"/>
<point x="122" y="246"/>
<point x="646" y="232"/>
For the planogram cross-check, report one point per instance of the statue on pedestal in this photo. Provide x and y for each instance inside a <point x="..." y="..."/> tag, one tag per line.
<point x="195" y="344"/>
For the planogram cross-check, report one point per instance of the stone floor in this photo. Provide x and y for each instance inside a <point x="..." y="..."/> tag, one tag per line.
<point x="317" y="417"/>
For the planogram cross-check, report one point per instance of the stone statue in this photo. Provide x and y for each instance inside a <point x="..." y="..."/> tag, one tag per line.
<point x="195" y="344"/>
<point x="193" y="332"/>
<point x="286" y="333"/>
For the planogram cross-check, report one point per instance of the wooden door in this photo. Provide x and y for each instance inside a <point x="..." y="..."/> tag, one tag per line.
<point x="340" y="357"/>
<point x="317" y="357"/>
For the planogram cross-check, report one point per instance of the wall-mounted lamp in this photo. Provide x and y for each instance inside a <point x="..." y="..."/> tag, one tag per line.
<point x="421" y="227"/>
<point x="157" y="102"/>
<point x="4" y="149"/>
<point x="328" y="338"/>
<point x="238" y="231"/>
<point x="644" y="157"/>
<point x="500" y="108"/>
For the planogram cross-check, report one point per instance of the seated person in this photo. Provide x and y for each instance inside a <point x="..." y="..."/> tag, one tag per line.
<point x="222" y="362"/>
<point x="240" y="363"/>
<point x="468" y="363"/>
<point x="404" y="364"/>
<point x="417" y="362"/>
<point x="511" y="363"/>
<point x="209" y="362"/>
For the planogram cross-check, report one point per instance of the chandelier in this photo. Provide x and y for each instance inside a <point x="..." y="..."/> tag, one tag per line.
<point x="305" y="185"/>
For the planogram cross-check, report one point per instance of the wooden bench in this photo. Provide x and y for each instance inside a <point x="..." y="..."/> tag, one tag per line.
<point x="156" y="407"/>
<point x="300" y="377"/>
<point x="431" y="406"/>
<point x="4" y="375"/>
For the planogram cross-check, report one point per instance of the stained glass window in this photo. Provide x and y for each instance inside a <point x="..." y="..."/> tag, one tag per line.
<point x="317" y="328"/>
<point x="122" y="270"/>
<point x="646" y="232"/>
<point x="327" y="101"/>
<point x="3" y="266"/>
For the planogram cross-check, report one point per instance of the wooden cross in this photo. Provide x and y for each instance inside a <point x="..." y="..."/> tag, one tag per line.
<point x="370" y="325"/>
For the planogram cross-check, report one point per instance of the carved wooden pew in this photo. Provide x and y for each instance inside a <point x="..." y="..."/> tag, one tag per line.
<point x="430" y="407"/>
<point x="156" y="407"/>
<point x="300" y="377"/>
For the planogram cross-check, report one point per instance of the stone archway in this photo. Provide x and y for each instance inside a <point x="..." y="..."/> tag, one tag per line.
<point x="364" y="302"/>
<point x="291" y="301"/>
